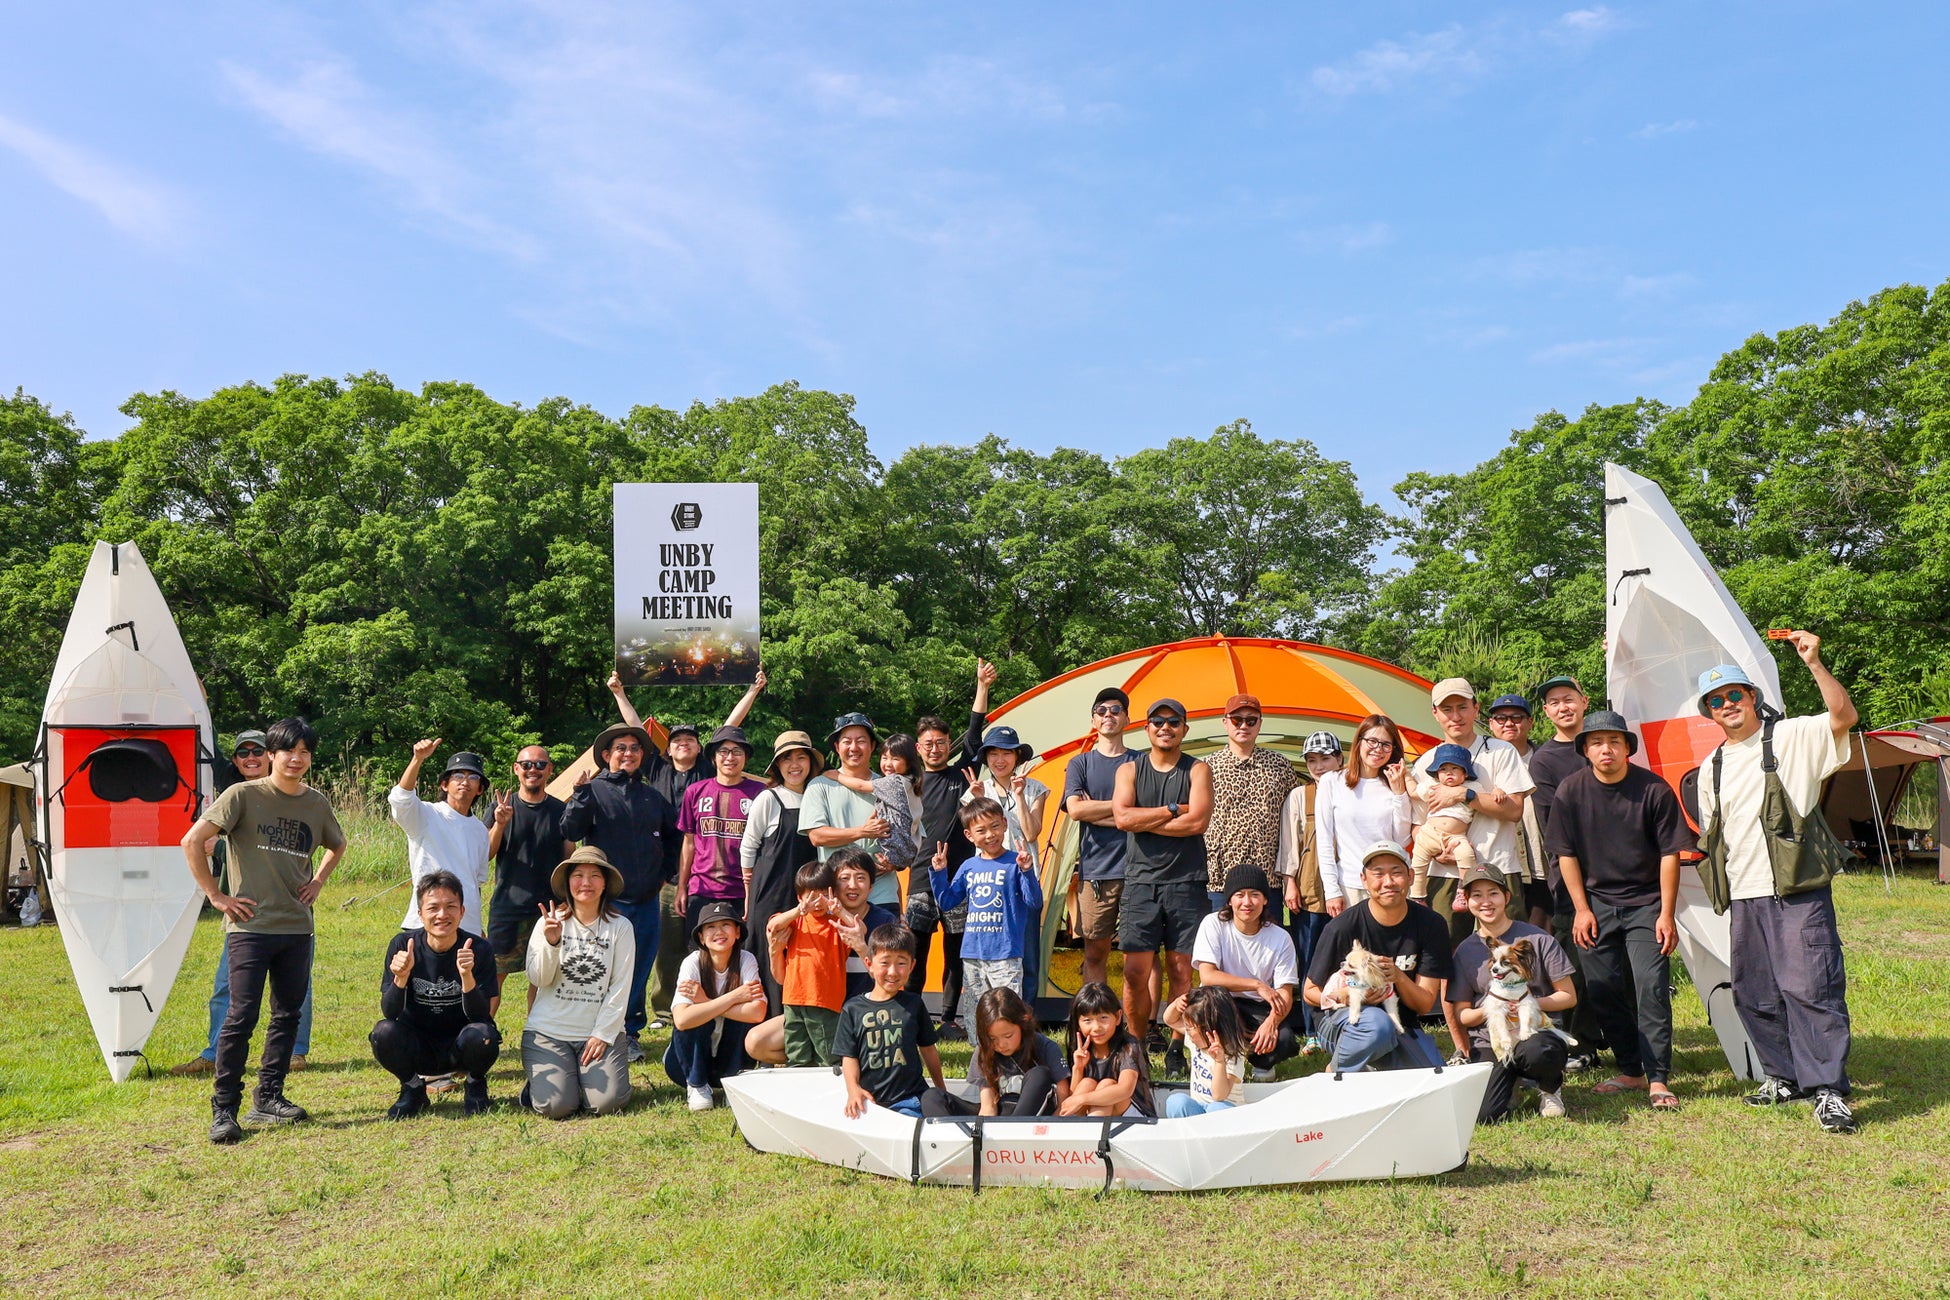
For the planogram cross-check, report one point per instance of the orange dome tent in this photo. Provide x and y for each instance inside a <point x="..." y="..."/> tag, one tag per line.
<point x="1302" y="688"/>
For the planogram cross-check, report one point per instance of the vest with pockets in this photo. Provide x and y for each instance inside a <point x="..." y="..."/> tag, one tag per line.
<point x="1801" y="847"/>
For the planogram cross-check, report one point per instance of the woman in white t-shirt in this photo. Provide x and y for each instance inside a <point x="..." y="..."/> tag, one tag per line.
<point x="1364" y="805"/>
<point x="718" y="998"/>
<point x="1239" y="952"/>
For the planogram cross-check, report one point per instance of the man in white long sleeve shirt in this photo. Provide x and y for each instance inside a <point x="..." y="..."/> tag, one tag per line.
<point x="444" y="836"/>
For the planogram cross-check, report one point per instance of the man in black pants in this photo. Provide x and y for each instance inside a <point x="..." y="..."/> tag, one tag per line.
<point x="273" y="828"/>
<point x="526" y="842"/>
<point x="1564" y="702"/>
<point x="437" y="1000"/>
<point x="1617" y="832"/>
<point x="1163" y="802"/>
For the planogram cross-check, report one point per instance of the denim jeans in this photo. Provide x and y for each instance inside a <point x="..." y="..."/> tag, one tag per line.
<point x="693" y="1061"/>
<point x="1373" y="1043"/>
<point x="1182" y="1105"/>
<point x="1305" y="927"/>
<point x="646" y="922"/>
<point x="220" y="1008"/>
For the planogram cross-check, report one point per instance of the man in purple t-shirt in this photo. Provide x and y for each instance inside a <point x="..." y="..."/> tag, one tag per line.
<point x="712" y="817"/>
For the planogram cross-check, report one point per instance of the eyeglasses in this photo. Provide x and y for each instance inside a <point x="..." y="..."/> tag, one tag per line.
<point x="1106" y="710"/>
<point x="1243" y="719"/>
<point x="1164" y="722"/>
<point x="1376" y="742"/>
<point x="1509" y="719"/>
<point x="250" y="751"/>
<point x="536" y="764"/>
<point x="1721" y="700"/>
<point x="620" y="748"/>
<point x="467" y="778"/>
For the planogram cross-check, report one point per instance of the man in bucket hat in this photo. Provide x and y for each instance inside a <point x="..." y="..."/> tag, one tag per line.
<point x="1768" y="858"/>
<point x="444" y="836"/>
<point x="1617" y="832"/>
<point x="629" y="819"/>
<point x="712" y="818"/>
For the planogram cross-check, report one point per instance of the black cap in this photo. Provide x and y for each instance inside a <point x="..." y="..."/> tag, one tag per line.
<point x="722" y="909"/>
<point x="1112" y="694"/>
<point x="465" y="761"/>
<point x="1248" y="877"/>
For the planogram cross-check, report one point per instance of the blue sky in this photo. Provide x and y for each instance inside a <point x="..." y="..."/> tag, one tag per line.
<point x="1398" y="230"/>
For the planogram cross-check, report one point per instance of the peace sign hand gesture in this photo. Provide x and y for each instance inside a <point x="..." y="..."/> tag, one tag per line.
<point x="553" y="914"/>
<point x="504" y="808"/>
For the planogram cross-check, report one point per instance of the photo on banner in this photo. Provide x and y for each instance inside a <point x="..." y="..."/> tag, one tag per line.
<point x="686" y="583"/>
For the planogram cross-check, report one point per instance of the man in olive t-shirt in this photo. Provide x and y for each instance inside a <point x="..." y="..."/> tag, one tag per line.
<point x="273" y="826"/>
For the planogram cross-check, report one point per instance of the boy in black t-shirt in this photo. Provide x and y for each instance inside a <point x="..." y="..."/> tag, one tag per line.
<point x="1413" y="945"/>
<point x="437" y="999"/>
<point x="885" y="1035"/>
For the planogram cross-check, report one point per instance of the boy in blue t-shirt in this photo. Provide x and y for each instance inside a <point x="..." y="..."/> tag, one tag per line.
<point x="1003" y="892"/>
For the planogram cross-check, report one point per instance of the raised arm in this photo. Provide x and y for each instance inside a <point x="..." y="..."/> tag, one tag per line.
<point x="1834" y="697"/>
<point x="743" y="709"/>
<point x="623" y="705"/>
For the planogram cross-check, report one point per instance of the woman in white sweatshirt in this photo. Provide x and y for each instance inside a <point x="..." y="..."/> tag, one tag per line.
<point x="1365" y="804"/>
<point x="579" y="961"/>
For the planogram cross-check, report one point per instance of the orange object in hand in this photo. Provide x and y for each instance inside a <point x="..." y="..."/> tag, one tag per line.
<point x="1779" y="633"/>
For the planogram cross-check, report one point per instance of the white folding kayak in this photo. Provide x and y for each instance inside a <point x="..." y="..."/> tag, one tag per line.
<point x="125" y="768"/>
<point x="1669" y="618"/>
<point x="1381" y="1124"/>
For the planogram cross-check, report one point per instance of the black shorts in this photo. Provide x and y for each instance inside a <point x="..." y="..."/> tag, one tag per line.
<point x="1537" y="897"/>
<point x="1150" y="917"/>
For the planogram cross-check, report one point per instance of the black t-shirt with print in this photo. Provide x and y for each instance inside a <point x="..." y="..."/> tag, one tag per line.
<point x="1419" y="946"/>
<point x="433" y="1001"/>
<point x="886" y="1038"/>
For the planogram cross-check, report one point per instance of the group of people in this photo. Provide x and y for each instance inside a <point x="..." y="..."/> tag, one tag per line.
<point x="762" y="921"/>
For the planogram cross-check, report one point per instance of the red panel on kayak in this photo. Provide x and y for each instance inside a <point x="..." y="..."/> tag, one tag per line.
<point x="93" y="822"/>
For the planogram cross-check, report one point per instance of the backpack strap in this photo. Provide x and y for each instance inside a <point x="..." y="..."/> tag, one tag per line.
<point x="1767" y="763"/>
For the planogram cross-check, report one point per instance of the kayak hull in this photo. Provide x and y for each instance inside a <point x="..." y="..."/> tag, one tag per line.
<point x="1387" y="1124"/>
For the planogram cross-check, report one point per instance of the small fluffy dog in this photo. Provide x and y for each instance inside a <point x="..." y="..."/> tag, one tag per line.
<point x="1358" y="983"/>
<point x="1511" y="1008"/>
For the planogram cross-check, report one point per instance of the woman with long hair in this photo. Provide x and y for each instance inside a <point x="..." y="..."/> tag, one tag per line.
<point x="1363" y="805"/>
<point x="774" y="848"/>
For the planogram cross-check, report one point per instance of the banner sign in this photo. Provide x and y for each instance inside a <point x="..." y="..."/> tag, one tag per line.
<point x="686" y="583"/>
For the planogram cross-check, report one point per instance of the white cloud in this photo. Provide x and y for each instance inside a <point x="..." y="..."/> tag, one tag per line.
<point x="329" y="110"/>
<point x="1387" y="65"/>
<point x="1458" y="54"/>
<point x="1654" y="130"/>
<point x="133" y="204"/>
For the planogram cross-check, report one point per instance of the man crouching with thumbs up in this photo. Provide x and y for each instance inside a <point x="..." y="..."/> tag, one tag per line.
<point x="437" y="997"/>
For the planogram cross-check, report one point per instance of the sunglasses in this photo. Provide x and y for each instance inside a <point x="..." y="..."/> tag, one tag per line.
<point x="250" y="751"/>
<point x="1721" y="700"/>
<point x="1243" y="719"/>
<point x="1106" y="710"/>
<point x="535" y="764"/>
<point x="1164" y="722"/>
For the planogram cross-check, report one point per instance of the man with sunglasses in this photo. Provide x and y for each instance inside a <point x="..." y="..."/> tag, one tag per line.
<point x="526" y="842"/>
<point x="1088" y="787"/>
<point x="1163" y="803"/>
<point x="249" y="761"/>
<point x="1763" y="862"/>
<point x="1249" y="787"/>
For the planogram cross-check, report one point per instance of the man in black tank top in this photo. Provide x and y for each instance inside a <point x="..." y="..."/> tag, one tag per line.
<point x="1163" y="803"/>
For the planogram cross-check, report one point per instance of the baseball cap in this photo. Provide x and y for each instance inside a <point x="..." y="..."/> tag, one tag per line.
<point x="1549" y="684"/>
<point x="252" y="737"/>
<point x="1165" y="708"/>
<point x="1112" y="695"/>
<point x="1383" y="849"/>
<point x="1450" y="687"/>
<point x="1510" y="702"/>
<point x="1322" y="742"/>
<point x="1236" y="702"/>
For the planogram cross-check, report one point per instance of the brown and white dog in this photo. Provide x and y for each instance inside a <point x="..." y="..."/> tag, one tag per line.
<point x="1510" y="1008"/>
<point x="1358" y="983"/>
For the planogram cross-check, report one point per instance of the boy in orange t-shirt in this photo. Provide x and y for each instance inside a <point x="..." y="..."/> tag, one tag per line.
<point x="808" y="945"/>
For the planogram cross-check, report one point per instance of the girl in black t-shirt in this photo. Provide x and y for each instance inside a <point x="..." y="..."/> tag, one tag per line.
<point x="1109" y="1074"/>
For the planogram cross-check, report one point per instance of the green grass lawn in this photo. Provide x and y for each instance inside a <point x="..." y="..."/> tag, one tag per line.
<point x="112" y="1190"/>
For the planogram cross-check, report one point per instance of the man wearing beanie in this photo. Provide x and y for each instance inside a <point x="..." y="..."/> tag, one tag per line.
<point x="1238" y="949"/>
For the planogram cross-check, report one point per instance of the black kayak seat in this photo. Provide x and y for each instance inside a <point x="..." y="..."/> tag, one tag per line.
<point x="144" y="770"/>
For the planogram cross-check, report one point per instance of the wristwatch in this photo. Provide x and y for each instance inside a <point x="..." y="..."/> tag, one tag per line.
<point x="1172" y="808"/>
<point x="1469" y="796"/>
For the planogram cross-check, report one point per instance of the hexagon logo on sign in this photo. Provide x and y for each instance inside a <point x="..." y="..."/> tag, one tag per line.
<point x="685" y="516"/>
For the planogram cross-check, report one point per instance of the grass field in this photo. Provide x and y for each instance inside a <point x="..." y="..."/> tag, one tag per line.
<point x="112" y="1190"/>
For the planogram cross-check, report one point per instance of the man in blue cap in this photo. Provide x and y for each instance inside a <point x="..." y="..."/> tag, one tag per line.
<point x="1769" y="858"/>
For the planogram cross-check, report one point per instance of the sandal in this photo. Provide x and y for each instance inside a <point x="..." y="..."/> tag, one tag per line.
<point x="1617" y="1084"/>
<point x="1664" y="1101"/>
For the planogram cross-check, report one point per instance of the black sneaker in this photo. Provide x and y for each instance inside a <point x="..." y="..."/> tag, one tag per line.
<point x="951" y="1032"/>
<point x="1832" y="1112"/>
<point x="412" y="1100"/>
<point x="274" y="1109"/>
<point x="224" y="1128"/>
<point x="1176" y="1065"/>
<point x="1157" y="1042"/>
<point x="476" y="1102"/>
<point x="1775" y="1092"/>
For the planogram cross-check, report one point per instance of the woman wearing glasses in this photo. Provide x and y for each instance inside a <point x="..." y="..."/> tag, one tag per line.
<point x="1364" y="805"/>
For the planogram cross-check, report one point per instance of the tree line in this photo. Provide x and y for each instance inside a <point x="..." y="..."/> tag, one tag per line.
<point x="396" y="564"/>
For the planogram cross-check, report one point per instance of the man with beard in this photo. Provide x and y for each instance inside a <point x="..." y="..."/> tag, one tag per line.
<point x="526" y="842"/>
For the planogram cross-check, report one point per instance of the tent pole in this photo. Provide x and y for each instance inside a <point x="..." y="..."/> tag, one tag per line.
<point x="1875" y="811"/>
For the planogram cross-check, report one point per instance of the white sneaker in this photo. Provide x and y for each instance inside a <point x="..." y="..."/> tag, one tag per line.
<point x="1264" y="1074"/>
<point x="698" y="1098"/>
<point x="1550" y="1105"/>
